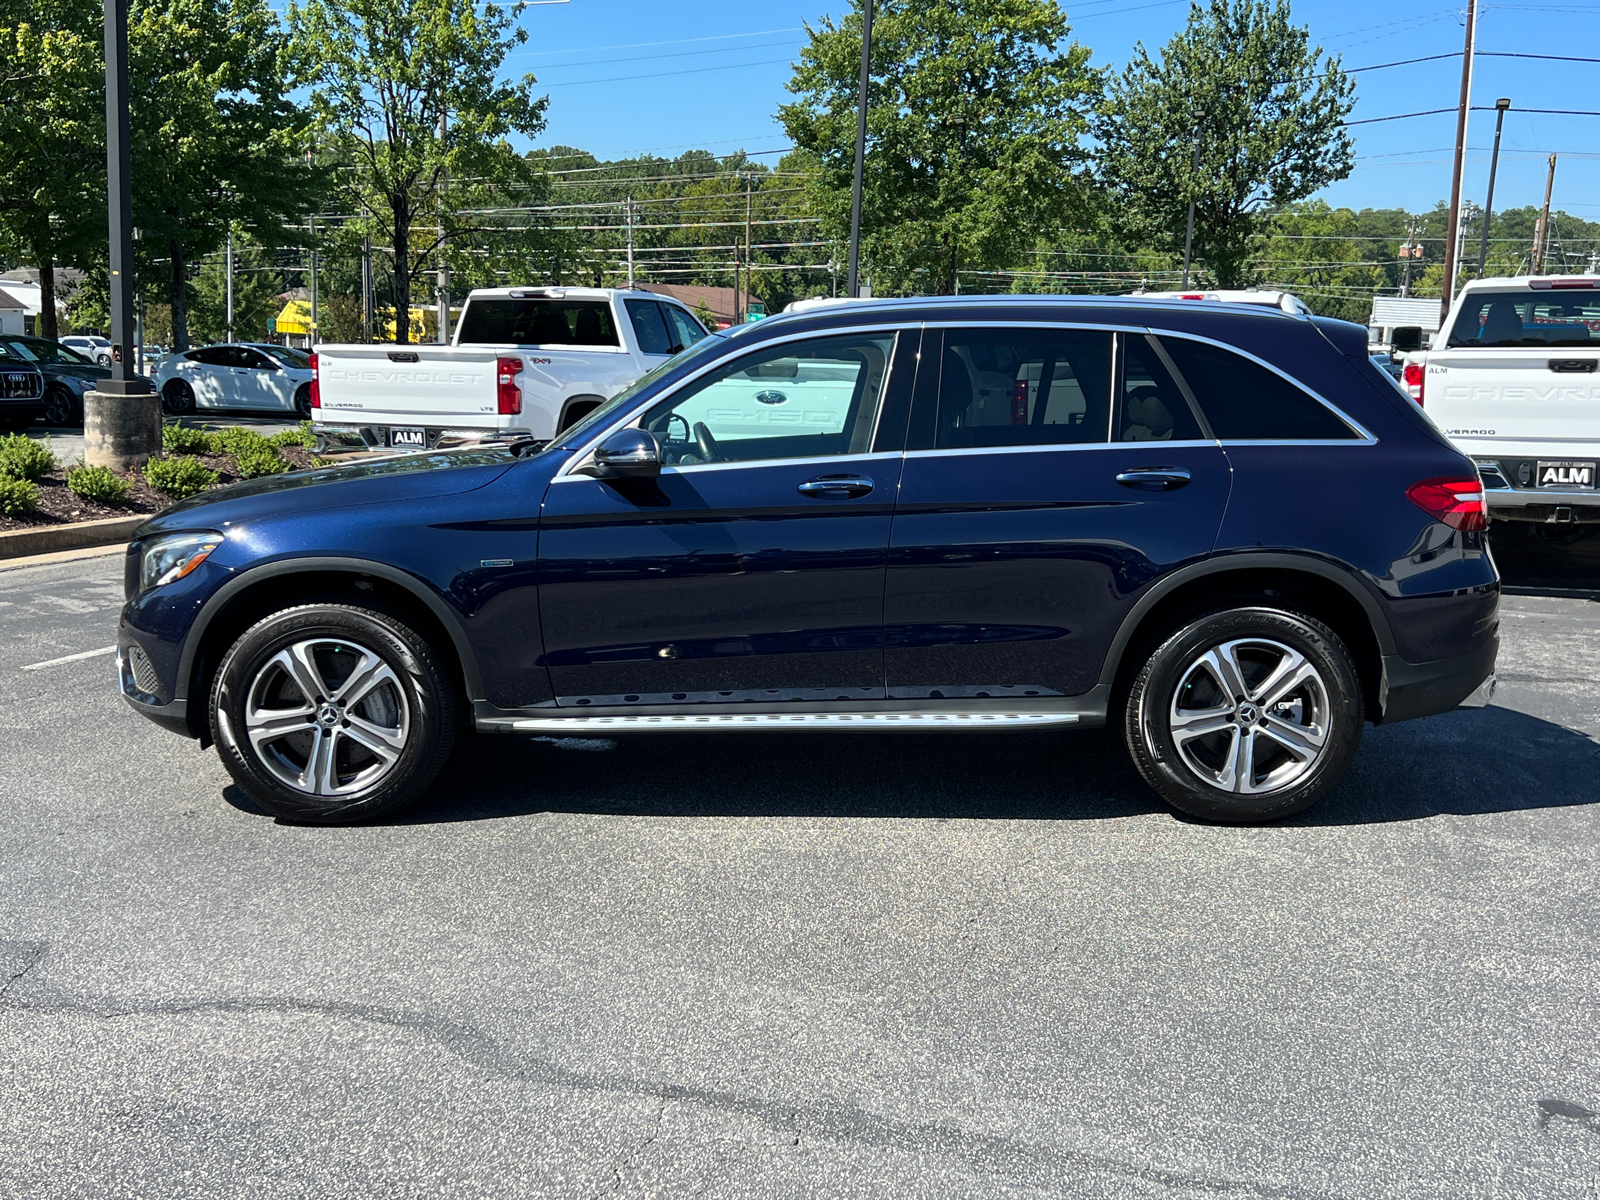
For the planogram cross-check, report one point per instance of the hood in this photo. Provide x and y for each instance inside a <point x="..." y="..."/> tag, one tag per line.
<point x="317" y="489"/>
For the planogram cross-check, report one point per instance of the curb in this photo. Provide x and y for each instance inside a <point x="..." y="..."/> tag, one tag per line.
<point x="22" y="543"/>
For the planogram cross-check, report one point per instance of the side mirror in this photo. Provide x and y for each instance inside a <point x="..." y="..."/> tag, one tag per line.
<point x="627" y="454"/>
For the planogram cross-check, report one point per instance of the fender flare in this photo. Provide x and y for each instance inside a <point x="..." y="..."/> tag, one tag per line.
<point x="1340" y="576"/>
<point x="220" y="600"/>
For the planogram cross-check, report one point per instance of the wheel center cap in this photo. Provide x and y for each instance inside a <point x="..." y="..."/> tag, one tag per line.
<point x="1247" y="713"/>
<point x="329" y="715"/>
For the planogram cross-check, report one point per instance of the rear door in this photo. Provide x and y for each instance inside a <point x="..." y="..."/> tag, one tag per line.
<point x="209" y="372"/>
<point x="1053" y="473"/>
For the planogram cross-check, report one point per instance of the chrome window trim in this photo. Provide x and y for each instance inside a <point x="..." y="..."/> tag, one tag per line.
<point x="1066" y="446"/>
<point x="1365" y="436"/>
<point x="813" y="460"/>
<point x="895" y="327"/>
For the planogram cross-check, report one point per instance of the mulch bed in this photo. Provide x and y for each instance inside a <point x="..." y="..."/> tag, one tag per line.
<point x="58" y="506"/>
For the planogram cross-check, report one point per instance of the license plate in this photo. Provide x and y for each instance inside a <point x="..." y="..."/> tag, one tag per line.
<point x="408" y="439"/>
<point x="1565" y="475"/>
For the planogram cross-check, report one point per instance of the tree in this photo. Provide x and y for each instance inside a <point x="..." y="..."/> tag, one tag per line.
<point x="409" y="93"/>
<point x="976" y="110"/>
<point x="216" y="138"/>
<point x="1239" y="114"/>
<point x="52" y="128"/>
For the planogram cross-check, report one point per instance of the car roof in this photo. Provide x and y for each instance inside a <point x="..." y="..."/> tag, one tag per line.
<point x="1532" y="283"/>
<point x="932" y="308"/>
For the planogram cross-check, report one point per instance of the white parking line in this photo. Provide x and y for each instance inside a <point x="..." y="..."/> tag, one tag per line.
<point x="70" y="658"/>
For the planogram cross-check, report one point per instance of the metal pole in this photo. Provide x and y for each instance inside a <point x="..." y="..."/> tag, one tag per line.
<point x="366" y="289"/>
<point x="312" y="339"/>
<point x="444" y="267"/>
<point x="1447" y="286"/>
<point x="853" y="281"/>
<point x="749" y="244"/>
<point x="1500" y="107"/>
<point x="119" y="205"/>
<point x="630" y="242"/>
<point x="1188" y="237"/>
<point x="1542" y="231"/>
<point x="230" y="281"/>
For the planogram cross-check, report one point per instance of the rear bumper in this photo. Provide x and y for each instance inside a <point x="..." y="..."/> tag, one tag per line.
<point x="375" y="436"/>
<point x="1508" y="500"/>
<point x="1414" y="690"/>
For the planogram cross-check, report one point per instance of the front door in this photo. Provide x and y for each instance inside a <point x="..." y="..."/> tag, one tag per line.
<point x="1052" y="474"/>
<point x="752" y="570"/>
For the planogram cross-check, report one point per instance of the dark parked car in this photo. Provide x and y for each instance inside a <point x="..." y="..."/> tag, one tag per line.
<point x="21" y="389"/>
<point x="1219" y="528"/>
<point x="67" y="376"/>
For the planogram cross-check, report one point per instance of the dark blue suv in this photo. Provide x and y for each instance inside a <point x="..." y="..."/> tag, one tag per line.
<point x="1219" y="527"/>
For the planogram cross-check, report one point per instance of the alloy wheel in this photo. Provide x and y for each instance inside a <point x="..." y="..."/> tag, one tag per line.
<point x="1250" y="716"/>
<point x="327" y="717"/>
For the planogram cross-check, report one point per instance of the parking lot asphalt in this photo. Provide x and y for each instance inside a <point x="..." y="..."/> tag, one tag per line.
<point x="774" y="964"/>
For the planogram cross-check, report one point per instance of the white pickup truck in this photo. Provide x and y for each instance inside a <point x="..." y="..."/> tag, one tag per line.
<point x="1513" y="378"/>
<point x="525" y="360"/>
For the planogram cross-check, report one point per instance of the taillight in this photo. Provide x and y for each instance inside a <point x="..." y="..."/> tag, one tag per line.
<point x="316" y="386"/>
<point x="1019" y="403"/>
<point x="1413" y="376"/>
<point x="507" y="392"/>
<point x="1457" y="502"/>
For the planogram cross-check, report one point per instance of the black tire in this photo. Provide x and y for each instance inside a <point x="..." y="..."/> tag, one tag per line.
<point x="61" y="407"/>
<point x="177" y="398"/>
<point x="302" y="401"/>
<point x="1190" y="746"/>
<point x="416" y="695"/>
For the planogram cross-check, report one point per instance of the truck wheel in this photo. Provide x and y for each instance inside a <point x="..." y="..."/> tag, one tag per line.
<point x="328" y="713"/>
<point x="1245" y="715"/>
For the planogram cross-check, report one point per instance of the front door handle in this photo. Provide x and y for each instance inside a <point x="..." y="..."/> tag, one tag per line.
<point x="1155" y="479"/>
<point x="836" y="487"/>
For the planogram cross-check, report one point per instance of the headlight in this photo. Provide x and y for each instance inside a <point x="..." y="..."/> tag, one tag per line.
<point x="170" y="558"/>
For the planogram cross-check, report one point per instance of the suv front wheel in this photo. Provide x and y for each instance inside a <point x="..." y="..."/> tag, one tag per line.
<point x="329" y="713"/>
<point x="1247" y="714"/>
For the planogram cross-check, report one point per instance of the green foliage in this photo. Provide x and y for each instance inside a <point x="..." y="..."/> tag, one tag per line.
<point x="384" y="75"/>
<point x="1241" y="114"/>
<point x="238" y="439"/>
<point x="977" y="111"/>
<point x="179" y="478"/>
<point x="98" y="485"/>
<point x="17" y="496"/>
<point x="259" y="460"/>
<point x="300" y="435"/>
<point x="23" y="458"/>
<point x="181" y="439"/>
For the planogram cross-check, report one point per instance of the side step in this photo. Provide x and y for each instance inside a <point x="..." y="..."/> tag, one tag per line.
<point x="686" y="722"/>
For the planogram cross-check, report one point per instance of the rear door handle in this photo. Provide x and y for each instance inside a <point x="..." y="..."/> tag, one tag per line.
<point x="836" y="487"/>
<point x="1155" y="479"/>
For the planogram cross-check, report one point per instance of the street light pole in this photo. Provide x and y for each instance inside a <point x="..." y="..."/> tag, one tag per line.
<point x="853" y="279"/>
<point x="122" y="416"/>
<point x="1188" y="237"/>
<point x="1500" y="107"/>
<point x="1447" y="286"/>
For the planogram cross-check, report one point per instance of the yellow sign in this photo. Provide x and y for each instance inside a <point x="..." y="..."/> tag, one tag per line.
<point x="295" y="318"/>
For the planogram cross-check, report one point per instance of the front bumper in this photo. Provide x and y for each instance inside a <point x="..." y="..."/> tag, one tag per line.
<point x="1414" y="690"/>
<point x="173" y="716"/>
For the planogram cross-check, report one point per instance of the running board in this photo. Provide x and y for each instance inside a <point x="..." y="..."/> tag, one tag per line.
<point x="676" y="723"/>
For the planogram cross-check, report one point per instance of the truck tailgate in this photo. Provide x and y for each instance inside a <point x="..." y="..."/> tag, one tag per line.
<point x="1510" y="395"/>
<point x="431" y="383"/>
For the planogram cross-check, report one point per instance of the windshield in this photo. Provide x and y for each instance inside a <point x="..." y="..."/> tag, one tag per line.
<point x="675" y="365"/>
<point x="1570" y="317"/>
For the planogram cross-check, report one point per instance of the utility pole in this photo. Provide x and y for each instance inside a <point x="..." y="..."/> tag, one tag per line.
<point x="1447" y="288"/>
<point x="630" y="242"/>
<point x="749" y="243"/>
<point x="1541" y="231"/>
<point x="230" y="281"/>
<point x="1412" y="251"/>
<point x="1500" y="107"/>
<point x="738" y="296"/>
<point x="366" y="288"/>
<point x="853" y="284"/>
<point x="122" y="416"/>
<point x="1188" y="237"/>
<point x="443" y="331"/>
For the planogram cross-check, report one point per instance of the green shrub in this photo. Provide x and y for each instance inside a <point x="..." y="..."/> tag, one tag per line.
<point x="17" y="496"/>
<point x="237" y="440"/>
<point x="98" y="485"/>
<point x="23" y="458"/>
<point x="300" y="435"/>
<point x="259" y="460"/>
<point x="179" y="478"/>
<point x="180" y="439"/>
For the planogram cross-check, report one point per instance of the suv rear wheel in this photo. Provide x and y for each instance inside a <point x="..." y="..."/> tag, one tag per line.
<point x="1247" y="714"/>
<point x="329" y="713"/>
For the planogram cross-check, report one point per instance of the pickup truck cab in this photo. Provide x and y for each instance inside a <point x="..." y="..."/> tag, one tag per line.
<point x="1513" y="379"/>
<point x="527" y="361"/>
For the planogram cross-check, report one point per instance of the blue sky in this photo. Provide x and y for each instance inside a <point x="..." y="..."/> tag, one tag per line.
<point x="625" y="76"/>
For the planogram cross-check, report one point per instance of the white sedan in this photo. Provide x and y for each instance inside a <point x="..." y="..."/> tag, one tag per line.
<point x="245" y="375"/>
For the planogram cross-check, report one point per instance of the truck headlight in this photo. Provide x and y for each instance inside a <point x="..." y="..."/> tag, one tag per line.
<point x="168" y="559"/>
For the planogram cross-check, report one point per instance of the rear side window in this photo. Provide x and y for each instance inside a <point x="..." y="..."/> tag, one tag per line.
<point x="1243" y="401"/>
<point x="1565" y="317"/>
<point x="1151" y="408"/>
<point x="1023" y="387"/>
<point x="515" y="321"/>
<point x="213" y="356"/>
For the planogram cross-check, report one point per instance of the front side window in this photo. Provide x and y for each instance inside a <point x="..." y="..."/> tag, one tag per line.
<point x="806" y="399"/>
<point x="1564" y="317"/>
<point x="1152" y="408"/>
<point x="650" y="328"/>
<point x="1243" y="401"/>
<point x="1023" y="387"/>
<point x="252" y="360"/>
<point x="527" y="321"/>
<point x="20" y="350"/>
